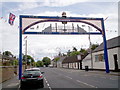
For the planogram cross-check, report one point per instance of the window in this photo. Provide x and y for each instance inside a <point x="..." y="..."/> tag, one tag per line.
<point x="99" y="58"/>
<point x="96" y="58"/>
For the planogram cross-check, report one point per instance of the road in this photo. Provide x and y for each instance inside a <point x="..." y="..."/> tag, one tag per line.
<point x="69" y="78"/>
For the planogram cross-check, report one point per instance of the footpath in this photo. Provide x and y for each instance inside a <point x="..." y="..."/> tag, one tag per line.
<point x="12" y="83"/>
<point x="103" y="72"/>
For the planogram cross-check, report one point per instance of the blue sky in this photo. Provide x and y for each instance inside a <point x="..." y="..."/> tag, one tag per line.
<point x="44" y="45"/>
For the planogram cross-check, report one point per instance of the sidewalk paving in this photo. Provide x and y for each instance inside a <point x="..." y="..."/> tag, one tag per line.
<point x="11" y="83"/>
<point x="104" y="72"/>
<point x="97" y="71"/>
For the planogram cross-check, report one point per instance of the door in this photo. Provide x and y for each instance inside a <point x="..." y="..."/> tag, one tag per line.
<point x="115" y="61"/>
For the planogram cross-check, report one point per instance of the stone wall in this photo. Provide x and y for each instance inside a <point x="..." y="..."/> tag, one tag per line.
<point x="6" y="72"/>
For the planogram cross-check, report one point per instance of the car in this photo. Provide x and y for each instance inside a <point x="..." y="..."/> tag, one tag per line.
<point x="51" y="66"/>
<point x="35" y="68"/>
<point x="32" y="77"/>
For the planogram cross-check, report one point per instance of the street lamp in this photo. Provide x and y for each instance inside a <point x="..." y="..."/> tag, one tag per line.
<point x="64" y="22"/>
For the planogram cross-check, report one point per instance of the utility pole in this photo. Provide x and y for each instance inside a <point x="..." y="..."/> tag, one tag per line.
<point x="90" y="48"/>
<point x="26" y="53"/>
<point x="72" y="27"/>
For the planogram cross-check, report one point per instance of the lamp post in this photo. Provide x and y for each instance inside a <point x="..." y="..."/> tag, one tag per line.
<point x="64" y="22"/>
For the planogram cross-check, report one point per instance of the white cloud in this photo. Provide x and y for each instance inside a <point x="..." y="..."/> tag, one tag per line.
<point x="61" y="3"/>
<point x="27" y="5"/>
<point x="66" y="1"/>
<point x="18" y="0"/>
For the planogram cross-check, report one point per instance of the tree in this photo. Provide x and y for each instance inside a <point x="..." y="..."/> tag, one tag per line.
<point x="39" y="64"/>
<point x="46" y="61"/>
<point x="28" y="58"/>
<point x="56" y="59"/>
<point x="94" y="46"/>
<point x="7" y="53"/>
<point x="74" y="53"/>
<point x="15" y="62"/>
<point x="74" y="49"/>
<point x="68" y="53"/>
<point x="83" y="51"/>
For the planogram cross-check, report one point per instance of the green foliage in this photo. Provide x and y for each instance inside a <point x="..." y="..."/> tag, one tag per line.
<point x="15" y="62"/>
<point x="94" y="46"/>
<point x="56" y="59"/>
<point x="46" y="61"/>
<point x="68" y="53"/>
<point x="74" y="53"/>
<point x="28" y="58"/>
<point x="83" y="51"/>
<point x="74" y="49"/>
<point x="39" y="64"/>
<point x="7" y="53"/>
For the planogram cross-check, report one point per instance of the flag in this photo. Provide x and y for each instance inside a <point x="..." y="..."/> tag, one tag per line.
<point x="11" y="18"/>
<point x="37" y="27"/>
<point x="25" y="37"/>
<point x="1" y="17"/>
<point x="106" y="18"/>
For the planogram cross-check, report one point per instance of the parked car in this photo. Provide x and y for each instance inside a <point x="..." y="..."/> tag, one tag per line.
<point x="51" y="66"/>
<point x="35" y="68"/>
<point x="32" y="76"/>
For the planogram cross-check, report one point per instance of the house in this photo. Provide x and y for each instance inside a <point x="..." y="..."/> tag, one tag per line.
<point x="73" y="62"/>
<point x="6" y="60"/>
<point x="59" y="62"/>
<point x="113" y="48"/>
<point x="53" y="63"/>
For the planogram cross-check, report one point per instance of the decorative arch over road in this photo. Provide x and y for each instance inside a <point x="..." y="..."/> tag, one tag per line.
<point x="27" y="21"/>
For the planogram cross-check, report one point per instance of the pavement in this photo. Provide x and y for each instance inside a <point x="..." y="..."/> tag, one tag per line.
<point x="110" y="73"/>
<point x="104" y="72"/>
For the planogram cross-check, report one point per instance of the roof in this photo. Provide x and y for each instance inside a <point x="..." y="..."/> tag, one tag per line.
<point x="8" y="58"/>
<point x="70" y="59"/>
<point x="61" y="59"/>
<point x="111" y="43"/>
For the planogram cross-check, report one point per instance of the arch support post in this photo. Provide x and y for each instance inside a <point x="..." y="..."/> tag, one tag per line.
<point x="105" y="48"/>
<point x="20" y="49"/>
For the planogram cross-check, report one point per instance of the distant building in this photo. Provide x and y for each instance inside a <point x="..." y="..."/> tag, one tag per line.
<point x="73" y="62"/>
<point x="59" y="62"/>
<point x="5" y="60"/>
<point x="113" y="47"/>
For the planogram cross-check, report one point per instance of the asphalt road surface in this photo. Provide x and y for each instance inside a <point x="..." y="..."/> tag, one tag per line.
<point x="69" y="78"/>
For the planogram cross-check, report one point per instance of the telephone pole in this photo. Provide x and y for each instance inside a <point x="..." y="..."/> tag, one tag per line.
<point x="26" y="52"/>
<point x="90" y="48"/>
